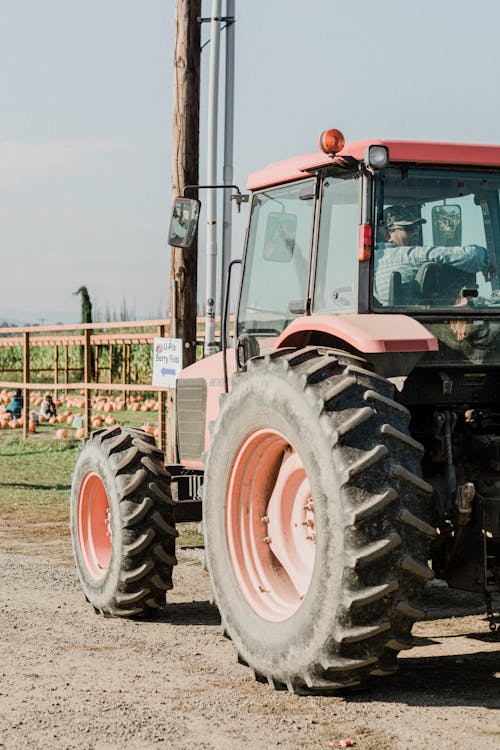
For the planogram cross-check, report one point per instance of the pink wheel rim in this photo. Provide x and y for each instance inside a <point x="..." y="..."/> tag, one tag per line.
<point x="270" y="525"/>
<point x="94" y="526"/>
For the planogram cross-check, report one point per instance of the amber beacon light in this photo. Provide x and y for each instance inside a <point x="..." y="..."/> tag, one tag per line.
<point x="331" y="141"/>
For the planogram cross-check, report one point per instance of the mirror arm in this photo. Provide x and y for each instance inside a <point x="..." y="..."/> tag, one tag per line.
<point x="239" y="197"/>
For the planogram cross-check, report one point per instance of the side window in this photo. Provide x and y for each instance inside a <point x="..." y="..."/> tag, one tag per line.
<point x="336" y="287"/>
<point x="277" y="258"/>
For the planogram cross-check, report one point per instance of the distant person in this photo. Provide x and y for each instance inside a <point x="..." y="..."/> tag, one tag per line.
<point x="48" y="407"/>
<point x="16" y="403"/>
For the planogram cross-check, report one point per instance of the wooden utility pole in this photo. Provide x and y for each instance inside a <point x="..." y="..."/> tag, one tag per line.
<point x="185" y="162"/>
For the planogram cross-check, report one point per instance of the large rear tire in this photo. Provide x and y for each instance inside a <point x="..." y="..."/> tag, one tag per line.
<point x="122" y="523"/>
<point x="315" y="520"/>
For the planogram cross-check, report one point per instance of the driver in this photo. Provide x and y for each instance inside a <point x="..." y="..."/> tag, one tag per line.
<point x="400" y="252"/>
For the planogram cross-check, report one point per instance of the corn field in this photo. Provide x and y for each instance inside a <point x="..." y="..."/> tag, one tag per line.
<point x="46" y="360"/>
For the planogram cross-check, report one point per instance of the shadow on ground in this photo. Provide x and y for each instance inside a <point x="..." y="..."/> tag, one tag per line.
<point x="184" y="613"/>
<point x="453" y="680"/>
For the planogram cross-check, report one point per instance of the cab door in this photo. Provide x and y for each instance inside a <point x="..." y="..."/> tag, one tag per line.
<point x="275" y="279"/>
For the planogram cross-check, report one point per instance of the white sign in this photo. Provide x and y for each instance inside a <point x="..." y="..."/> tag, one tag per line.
<point x="167" y="361"/>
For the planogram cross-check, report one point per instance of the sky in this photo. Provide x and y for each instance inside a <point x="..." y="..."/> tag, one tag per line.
<point x="86" y="123"/>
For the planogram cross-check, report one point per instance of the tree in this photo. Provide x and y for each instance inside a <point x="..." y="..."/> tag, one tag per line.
<point x="86" y="304"/>
<point x="86" y="317"/>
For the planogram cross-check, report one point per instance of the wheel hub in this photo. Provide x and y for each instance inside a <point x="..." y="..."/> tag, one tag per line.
<point x="94" y="526"/>
<point x="270" y="525"/>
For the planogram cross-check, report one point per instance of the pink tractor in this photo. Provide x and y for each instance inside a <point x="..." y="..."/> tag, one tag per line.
<point x="346" y="448"/>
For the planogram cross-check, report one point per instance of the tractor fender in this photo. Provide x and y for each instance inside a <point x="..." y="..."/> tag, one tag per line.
<point x="377" y="337"/>
<point x="367" y="333"/>
<point x="380" y="339"/>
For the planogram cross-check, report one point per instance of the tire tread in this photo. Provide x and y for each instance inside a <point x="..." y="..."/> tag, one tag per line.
<point x="145" y="512"/>
<point x="386" y="543"/>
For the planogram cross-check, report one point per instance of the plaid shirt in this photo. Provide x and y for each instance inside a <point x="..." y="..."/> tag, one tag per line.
<point x="407" y="260"/>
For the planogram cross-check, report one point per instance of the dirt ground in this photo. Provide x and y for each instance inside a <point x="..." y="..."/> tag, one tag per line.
<point x="71" y="679"/>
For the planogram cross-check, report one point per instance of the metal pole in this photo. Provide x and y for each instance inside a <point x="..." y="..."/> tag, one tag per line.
<point x="213" y="97"/>
<point x="228" y="155"/>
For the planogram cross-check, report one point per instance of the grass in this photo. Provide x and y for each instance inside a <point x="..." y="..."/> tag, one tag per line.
<point x="35" y="478"/>
<point x="35" y="486"/>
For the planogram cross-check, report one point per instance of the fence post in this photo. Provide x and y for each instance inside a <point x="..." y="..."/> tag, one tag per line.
<point x="125" y="379"/>
<point x="96" y="364"/>
<point x="129" y="361"/>
<point x="56" y="365"/>
<point x="162" y="405"/>
<point x="66" y="367"/>
<point x="86" y="377"/>
<point x="26" y="378"/>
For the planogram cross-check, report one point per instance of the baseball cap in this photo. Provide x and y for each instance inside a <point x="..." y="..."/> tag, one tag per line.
<point x="402" y="216"/>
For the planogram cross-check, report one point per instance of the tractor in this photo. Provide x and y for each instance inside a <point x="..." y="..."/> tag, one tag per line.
<point x="343" y="449"/>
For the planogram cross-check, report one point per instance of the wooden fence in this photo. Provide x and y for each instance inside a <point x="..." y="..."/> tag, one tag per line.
<point x="90" y="337"/>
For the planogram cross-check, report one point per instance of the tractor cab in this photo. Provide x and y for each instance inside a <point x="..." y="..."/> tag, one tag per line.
<point x="383" y="228"/>
<point x="374" y="228"/>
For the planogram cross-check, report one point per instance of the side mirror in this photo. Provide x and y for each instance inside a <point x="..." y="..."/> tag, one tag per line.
<point x="447" y="225"/>
<point x="184" y="222"/>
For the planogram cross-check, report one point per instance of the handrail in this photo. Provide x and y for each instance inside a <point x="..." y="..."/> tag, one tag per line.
<point x="85" y="326"/>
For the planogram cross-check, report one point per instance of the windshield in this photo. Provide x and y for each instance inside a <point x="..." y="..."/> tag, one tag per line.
<point x="437" y="239"/>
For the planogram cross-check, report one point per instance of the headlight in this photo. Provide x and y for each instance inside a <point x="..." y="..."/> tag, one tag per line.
<point x="377" y="156"/>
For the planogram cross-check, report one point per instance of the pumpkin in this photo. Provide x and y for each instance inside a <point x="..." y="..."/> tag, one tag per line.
<point x="61" y="433"/>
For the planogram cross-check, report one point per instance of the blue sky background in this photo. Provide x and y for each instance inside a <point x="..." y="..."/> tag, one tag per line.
<point x="86" y="110"/>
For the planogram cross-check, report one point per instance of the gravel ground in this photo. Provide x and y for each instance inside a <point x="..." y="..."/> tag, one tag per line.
<point x="71" y="679"/>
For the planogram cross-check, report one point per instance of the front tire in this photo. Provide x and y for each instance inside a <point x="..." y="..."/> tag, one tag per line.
<point x="122" y="523"/>
<point x="314" y="520"/>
